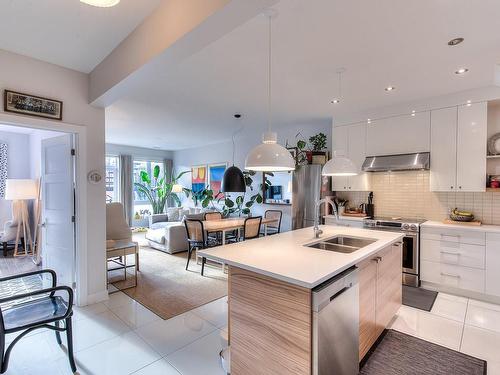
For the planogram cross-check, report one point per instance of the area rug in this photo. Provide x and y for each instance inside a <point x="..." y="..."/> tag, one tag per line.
<point x="166" y="288"/>
<point x="400" y="354"/>
<point x="419" y="298"/>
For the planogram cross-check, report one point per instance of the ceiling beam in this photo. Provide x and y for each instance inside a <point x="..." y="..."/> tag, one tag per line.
<point x="176" y="30"/>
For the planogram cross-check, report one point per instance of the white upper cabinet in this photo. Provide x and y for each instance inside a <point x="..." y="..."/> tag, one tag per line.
<point x="458" y="148"/>
<point x="471" y="147"/>
<point x="443" y="175"/>
<point x="351" y="141"/>
<point x="399" y="135"/>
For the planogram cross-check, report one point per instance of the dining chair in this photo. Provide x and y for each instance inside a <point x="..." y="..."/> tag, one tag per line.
<point x="197" y="239"/>
<point x="214" y="236"/>
<point x="273" y="228"/>
<point x="251" y="228"/>
<point x="34" y="308"/>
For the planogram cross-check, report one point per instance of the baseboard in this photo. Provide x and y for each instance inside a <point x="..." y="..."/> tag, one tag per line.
<point x="97" y="297"/>
<point x="461" y="292"/>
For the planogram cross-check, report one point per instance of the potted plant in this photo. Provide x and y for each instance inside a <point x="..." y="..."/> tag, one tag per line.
<point x="157" y="190"/>
<point x="318" y="152"/>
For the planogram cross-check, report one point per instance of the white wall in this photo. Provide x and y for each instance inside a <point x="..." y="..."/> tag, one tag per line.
<point x="138" y="152"/>
<point x="18" y="165"/>
<point x="244" y="141"/>
<point x="28" y="75"/>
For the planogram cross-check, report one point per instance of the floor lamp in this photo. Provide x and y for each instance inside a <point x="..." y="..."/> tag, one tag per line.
<point x="20" y="192"/>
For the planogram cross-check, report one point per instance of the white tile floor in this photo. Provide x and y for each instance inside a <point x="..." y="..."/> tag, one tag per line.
<point x="469" y="326"/>
<point x="122" y="337"/>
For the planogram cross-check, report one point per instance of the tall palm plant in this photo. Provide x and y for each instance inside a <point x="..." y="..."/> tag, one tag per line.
<point x="157" y="190"/>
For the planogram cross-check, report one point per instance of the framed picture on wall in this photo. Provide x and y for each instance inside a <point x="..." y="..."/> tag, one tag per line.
<point x="31" y="105"/>
<point x="198" y="178"/>
<point x="215" y="175"/>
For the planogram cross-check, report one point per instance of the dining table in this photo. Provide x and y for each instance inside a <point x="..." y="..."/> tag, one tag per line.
<point x="234" y="223"/>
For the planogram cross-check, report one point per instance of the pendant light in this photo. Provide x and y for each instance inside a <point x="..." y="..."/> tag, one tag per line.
<point x="101" y="3"/>
<point x="233" y="180"/>
<point x="270" y="156"/>
<point x="339" y="166"/>
<point x="339" y="88"/>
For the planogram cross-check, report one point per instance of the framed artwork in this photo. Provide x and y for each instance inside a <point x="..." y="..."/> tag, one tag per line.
<point x="215" y="175"/>
<point x="198" y="178"/>
<point x="31" y="105"/>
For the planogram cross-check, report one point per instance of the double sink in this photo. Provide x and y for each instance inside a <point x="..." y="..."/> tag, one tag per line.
<point x="342" y="244"/>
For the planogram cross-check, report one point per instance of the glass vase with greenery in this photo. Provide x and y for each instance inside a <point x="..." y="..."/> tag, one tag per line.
<point x="158" y="190"/>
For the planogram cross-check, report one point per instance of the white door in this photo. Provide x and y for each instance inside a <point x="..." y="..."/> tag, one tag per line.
<point x="357" y="153"/>
<point x="444" y="150"/>
<point x="341" y="145"/>
<point x="58" y="246"/>
<point x="471" y="147"/>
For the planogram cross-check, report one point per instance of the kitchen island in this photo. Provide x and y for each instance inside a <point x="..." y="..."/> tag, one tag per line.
<point x="271" y="281"/>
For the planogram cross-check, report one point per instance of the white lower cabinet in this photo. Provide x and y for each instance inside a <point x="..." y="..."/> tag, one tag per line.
<point x="493" y="264"/>
<point x="329" y="220"/>
<point x="454" y="258"/>
<point x="453" y="276"/>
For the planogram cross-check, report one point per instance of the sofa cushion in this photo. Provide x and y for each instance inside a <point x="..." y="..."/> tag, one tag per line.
<point x="174" y="213"/>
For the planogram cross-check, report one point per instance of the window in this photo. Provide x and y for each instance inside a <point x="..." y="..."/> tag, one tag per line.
<point x="112" y="179"/>
<point x="140" y="200"/>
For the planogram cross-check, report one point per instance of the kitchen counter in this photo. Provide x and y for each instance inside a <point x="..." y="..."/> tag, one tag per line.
<point x="349" y="218"/>
<point x="480" y="228"/>
<point x="284" y="256"/>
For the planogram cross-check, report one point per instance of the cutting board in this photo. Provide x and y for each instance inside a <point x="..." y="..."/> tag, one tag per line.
<point x="474" y="223"/>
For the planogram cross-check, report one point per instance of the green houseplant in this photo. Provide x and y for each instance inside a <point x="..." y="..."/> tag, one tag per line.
<point x="157" y="190"/>
<point x="318" y="142"/>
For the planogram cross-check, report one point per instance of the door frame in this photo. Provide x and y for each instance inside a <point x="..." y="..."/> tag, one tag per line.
<point x="80" y="145"/>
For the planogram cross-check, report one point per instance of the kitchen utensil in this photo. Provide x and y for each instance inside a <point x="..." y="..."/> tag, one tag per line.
<point x="494" y="144"/>
<point x="370" y="198"/>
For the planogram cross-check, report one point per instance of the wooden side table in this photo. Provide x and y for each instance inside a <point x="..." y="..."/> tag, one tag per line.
<point x="117" y="254"/>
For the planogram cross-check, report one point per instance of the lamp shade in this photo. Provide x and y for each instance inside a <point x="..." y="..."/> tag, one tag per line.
<point x="339" y="165"/>
<point x="20" y="189"/>
<point x="101" y="3"/>
<point x="233" y="181"/>
<point x="270" y="156"/>
<point x="176" y="188"/>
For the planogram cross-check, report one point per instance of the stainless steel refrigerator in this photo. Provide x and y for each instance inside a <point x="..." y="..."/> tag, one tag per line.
<point x="307" y="188"/>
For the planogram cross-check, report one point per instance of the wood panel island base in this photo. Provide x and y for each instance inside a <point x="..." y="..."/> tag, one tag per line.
<point x="271" y="283"/>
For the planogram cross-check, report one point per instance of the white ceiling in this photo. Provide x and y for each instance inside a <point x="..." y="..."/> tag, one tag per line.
<point x="67" y="32"/>
<point x="380" y="43"/>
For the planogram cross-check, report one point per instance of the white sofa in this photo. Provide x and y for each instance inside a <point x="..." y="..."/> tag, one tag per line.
<point x="167" y="231"/>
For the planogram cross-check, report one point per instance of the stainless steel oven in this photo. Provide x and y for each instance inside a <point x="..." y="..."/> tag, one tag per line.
<point x="411" y="244"/>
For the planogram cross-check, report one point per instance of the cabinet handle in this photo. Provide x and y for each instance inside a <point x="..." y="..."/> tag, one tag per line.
<point x="451" y="253"/>
<point x="450" y="275"/>
<point x="450" y="235"/>
<point x="459" y="187"/>
<point x="377" y="259"/>
<point x="451" y="187"/>
<point x="397" y="244"/>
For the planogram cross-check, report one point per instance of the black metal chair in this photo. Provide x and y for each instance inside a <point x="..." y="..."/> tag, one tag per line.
<point x="197" y="239"/>
<point x="35" y="310"/>
<point x="251" y="228"/>
<point x="272" y="228"/>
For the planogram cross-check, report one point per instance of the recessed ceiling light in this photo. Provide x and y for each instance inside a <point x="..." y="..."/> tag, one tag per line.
<point x="101" y="3"/>
<point x="413" y="113"/>
<point x="335" y="101"/>
<point x="461" y="71"/>
<point x="469" y="103"/>
<point x="455" y="41"/>
<point x="369" y="121"/>
<point x="390" y="88"/>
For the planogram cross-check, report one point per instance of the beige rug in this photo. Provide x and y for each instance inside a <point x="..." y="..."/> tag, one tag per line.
<point x="167" y="289"/>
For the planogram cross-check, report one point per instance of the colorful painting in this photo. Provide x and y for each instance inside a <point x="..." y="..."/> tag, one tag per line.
<point x="215" y="175"/>
<point x="198" y="178"/>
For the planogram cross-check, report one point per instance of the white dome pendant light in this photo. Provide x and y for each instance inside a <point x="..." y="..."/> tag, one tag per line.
<point x="339" y="166"/>
<point x="270" y="156"/>
<point x="101" y="3"/>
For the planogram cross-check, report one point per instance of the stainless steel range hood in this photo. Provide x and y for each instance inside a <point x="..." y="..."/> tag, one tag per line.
<point x="405" y="162"/>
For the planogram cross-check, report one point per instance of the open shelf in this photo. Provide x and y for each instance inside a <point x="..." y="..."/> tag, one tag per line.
<point x="493" y="157"/>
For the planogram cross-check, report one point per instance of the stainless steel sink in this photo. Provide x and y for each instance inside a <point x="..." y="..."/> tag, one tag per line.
<point x="342" y="244"/>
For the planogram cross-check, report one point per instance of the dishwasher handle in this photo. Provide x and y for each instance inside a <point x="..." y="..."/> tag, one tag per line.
<point x="333" y="288"/>
<point x="344" y="289"/>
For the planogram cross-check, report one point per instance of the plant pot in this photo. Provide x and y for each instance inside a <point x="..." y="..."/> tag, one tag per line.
<point x="309" y="156"/>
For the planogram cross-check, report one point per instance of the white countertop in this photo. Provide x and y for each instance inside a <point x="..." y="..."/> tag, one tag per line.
<point x="350" y="218"/>
<point x="480" y="228"/>
<point x="284" y="256"/>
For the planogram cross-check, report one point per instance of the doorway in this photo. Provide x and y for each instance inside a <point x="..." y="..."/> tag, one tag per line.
<point x="37" y="202"/>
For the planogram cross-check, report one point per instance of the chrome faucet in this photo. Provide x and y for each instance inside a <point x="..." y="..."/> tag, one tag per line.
<point x="318" y="232"/>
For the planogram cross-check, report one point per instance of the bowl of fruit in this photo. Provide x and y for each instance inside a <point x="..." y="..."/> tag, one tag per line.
<point x="457" y="215"/>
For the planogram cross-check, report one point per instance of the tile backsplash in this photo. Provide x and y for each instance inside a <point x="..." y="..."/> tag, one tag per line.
<point x="407" y="194"/>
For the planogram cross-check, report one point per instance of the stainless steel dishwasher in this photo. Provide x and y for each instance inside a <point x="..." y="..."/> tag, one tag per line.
<point x="335" y="306"/>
